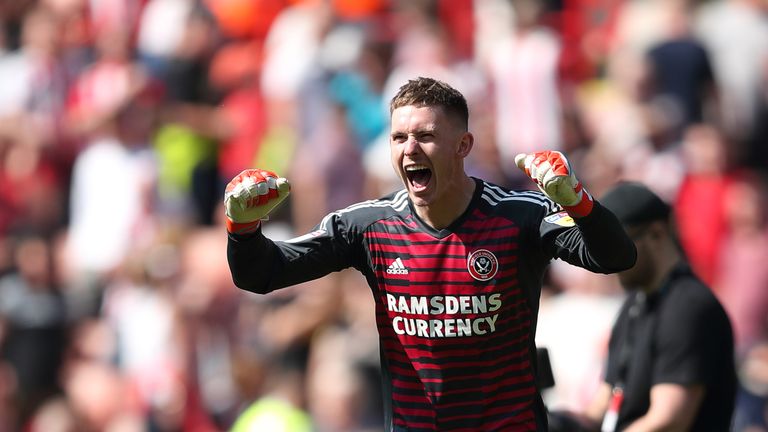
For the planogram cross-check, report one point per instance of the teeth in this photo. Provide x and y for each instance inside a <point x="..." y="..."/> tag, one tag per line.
<point x="416" y="167"/>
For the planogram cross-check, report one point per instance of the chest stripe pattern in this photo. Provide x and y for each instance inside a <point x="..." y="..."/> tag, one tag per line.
<point x="456" y="347"/>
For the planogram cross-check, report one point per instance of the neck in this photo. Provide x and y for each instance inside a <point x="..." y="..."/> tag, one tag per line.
<point x="442" y="214"/>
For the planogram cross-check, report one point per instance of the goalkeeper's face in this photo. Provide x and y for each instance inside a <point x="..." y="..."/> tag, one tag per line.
<point x="428" y="152"/>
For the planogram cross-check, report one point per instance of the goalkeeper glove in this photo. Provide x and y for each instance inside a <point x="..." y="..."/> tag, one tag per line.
<point x="250" y="197"/>
<point x="552" y="173"/>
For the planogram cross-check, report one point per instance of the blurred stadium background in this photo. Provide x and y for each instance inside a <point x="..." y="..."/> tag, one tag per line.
<point x="122" y="120"/>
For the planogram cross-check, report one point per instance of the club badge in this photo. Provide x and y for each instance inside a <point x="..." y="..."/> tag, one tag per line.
<point x="482" y="264"/>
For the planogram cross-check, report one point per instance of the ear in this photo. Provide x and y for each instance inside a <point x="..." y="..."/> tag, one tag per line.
<point x="465" y="146"/>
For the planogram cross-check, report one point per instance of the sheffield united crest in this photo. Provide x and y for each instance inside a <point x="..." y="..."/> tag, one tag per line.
<point x="482" y="264"/>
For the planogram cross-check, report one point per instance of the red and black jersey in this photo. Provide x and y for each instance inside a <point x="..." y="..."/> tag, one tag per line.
<point x="456" y="308"/>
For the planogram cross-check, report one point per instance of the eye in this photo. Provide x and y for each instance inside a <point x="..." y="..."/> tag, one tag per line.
<point x="426" y="136"/>
<point x="399" y="138"/>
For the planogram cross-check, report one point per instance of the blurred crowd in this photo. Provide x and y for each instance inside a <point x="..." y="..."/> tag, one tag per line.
<point x="121" y="121"/>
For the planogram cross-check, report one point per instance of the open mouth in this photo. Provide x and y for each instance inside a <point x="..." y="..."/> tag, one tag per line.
<point x="418" y="176"/>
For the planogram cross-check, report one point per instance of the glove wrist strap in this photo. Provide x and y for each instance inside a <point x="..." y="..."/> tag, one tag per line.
<point x="242" y="227"/>
<point x="583" y="207"/>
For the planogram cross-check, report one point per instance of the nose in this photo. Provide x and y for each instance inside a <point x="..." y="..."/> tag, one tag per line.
<point x="411" y="146"/>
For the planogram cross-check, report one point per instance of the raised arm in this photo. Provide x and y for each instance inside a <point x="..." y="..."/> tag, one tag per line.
<point x="261" y="265"/>
<point x="598" y="241"/>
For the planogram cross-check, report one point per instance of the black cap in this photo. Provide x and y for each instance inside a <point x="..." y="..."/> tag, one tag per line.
<point x="633" y="203"/>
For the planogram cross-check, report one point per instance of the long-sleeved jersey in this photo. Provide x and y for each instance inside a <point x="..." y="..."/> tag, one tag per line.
<point x="456" y="308"/>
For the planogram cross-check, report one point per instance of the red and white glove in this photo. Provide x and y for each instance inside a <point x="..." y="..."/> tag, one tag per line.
<point x="250" y="197"/>
<point x="552" y="173"/>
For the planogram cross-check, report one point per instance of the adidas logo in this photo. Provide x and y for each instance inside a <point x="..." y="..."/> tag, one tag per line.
<point x="397" y="267"/>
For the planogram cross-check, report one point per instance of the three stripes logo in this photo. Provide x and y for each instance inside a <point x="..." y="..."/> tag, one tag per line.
<point x="397" y="267"/>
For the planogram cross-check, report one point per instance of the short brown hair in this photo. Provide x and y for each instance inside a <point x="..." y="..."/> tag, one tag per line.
<point x="433" y="93"/>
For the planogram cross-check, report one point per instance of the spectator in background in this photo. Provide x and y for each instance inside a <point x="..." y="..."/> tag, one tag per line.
<point x="699" y="211"/>
<point x="742" y="276"/>
<point x="116" y="125"/>
<point x="736" y="37"/>
<point x="681" y="82"/>
<point x="626" y="127"/>
<point x="677" y="91"/>
<point x="337" y="384"/>
<point x="33" y="86"/>
<point x="162" y="33"/>
<point x="34" y="82"/>
<point x="187" y="153"/>
<point x="524" y="76"/>
<point x="150" y="337"/>
<point x="752" y="404"/>
<point x="235" y="124"/>
<point x="33" y="326"/>
<point x="671" y="354"/>
<point x="214" y="335"/>
<point x="32" y="193"/>
<point x="278" y="408"/>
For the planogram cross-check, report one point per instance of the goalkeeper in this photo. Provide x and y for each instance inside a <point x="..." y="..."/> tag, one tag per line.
<point x="454" y="264"/>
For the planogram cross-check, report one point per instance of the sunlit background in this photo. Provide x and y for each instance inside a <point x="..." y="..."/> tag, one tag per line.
<point x="122" y="120"/>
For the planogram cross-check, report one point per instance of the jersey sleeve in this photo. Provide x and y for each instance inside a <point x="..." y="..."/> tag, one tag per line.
<point x="596" y="242"/>
<point x="261" y="265"/>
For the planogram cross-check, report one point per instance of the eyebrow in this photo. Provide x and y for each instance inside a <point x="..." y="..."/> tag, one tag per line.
<point x="417" y="133"/>
<point x="426" y="129"/>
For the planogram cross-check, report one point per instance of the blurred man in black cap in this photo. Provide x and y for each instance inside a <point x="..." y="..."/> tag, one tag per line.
<point x="671" y="355"/>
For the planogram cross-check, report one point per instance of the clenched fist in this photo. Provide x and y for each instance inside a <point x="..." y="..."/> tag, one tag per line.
<point x="250" y="197"/>
<point x="552" y="173"/>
